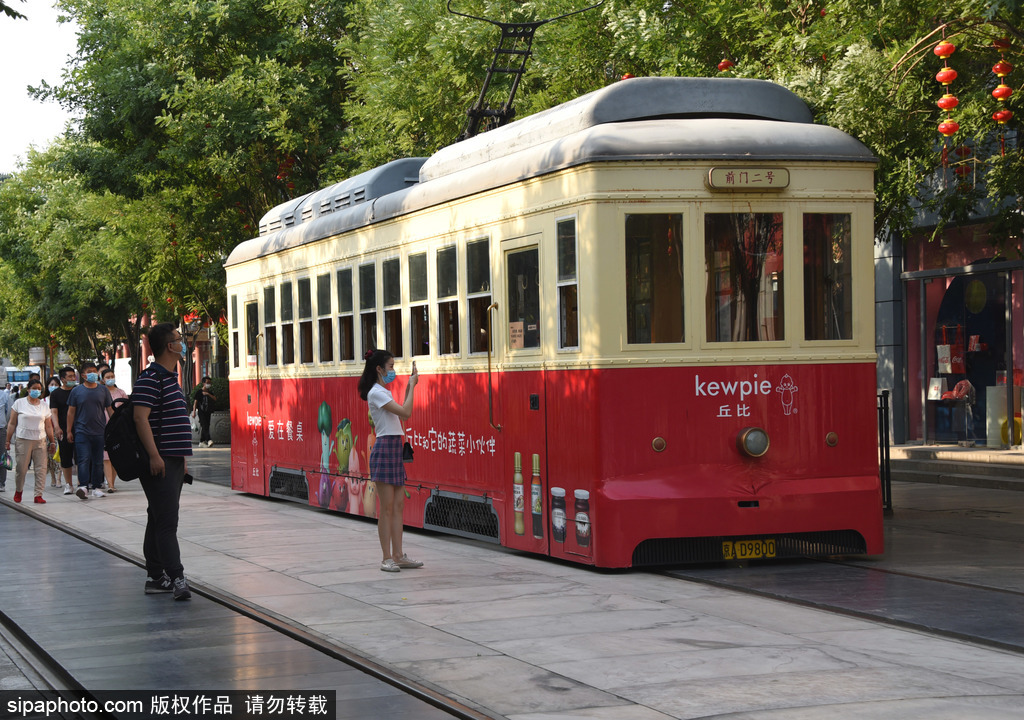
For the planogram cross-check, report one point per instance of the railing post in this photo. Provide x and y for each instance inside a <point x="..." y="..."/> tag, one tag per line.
<point x="884" y="475"/>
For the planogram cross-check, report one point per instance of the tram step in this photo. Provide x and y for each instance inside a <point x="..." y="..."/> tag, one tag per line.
<point x="989" y="476"/>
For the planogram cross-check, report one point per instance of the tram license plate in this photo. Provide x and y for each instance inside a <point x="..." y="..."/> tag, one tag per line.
<point x="748" y="549"/>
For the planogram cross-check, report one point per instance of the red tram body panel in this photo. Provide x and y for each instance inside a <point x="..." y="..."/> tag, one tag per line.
<point x="594" y="431"/>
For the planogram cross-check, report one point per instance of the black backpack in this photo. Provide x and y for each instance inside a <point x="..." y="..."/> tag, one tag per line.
<point x="122" y="443"/>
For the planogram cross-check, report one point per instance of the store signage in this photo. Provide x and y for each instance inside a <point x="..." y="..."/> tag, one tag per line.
<point x="744" y="178"/>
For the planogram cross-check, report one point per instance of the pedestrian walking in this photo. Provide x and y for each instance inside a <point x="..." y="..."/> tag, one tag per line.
<point x="204" y="400"/>
<point x="387" y="470"/>
<point x="161" y="418"/>
<point x="116" y="393"/>
<point x="88" y="409"/>
<point x="6" y="404"/>
<point x="52" y="464"/>
<point x="59" y="414"/>
<point x="32" y="429"/>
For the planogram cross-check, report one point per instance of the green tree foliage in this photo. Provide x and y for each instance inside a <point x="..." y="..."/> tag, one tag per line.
<point x="864" y="67"/>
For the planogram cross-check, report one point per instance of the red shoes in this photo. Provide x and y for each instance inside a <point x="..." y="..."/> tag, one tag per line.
<point x="39" y="500"/>
<point x="17" y="497"/>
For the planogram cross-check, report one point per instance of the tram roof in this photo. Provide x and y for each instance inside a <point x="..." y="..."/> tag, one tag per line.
<point x="667" y="119"/>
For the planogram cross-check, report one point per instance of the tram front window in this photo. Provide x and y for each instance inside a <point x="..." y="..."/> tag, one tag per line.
<point x="743" y="261"/>
<point x="828" y="277"/>
<point x="654" y="278"/>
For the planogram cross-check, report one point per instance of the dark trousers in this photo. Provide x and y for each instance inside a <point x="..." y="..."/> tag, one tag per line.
<point x="160" y="545"/>
<point x="204" y="427"/>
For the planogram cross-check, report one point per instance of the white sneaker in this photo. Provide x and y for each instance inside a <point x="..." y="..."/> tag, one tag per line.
<point x="209" y="443"/>
<point x="68" y="490"/>
<point x="97" y="493"/>
<point x="82" y="493"/>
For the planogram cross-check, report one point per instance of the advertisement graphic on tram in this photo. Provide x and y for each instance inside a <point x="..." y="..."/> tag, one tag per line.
<point x="642" y="323"/>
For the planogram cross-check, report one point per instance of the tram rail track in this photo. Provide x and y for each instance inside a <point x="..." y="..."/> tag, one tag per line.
<point x="956" y="609"/>
<point x="58" y="679"/>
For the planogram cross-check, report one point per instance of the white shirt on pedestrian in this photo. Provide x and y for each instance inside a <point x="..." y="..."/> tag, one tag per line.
<point x="31" y="419"/>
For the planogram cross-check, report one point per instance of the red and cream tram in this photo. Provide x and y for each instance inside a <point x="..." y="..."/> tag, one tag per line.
<point x="643" y="322"/>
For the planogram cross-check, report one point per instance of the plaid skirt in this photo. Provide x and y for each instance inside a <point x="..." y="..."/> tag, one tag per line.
<point x="386" y="460"/>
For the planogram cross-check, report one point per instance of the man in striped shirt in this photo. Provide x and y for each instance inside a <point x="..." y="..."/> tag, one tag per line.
<point x="161" y="418"/>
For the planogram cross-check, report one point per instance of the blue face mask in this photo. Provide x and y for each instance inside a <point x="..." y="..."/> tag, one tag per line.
<point x="388" y="378"/>
<point x="71" y="383"/>
<point x="110" y="382"/>
<point x="35" y="394"/>
<point x="184" y="350"/>
<point x="92" y="377"/>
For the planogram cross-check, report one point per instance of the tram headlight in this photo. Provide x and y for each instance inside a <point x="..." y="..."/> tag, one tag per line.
<point x="753" y="442"/>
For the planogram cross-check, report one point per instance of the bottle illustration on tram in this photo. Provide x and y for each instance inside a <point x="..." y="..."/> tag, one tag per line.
<point x="558" y="514"/>
<point x="518" y="499"/>
<point x="582" y="511"/>
<point x="537" y="499"/>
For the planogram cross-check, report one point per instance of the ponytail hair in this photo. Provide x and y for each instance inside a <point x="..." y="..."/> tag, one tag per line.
<point x="374" y="359"/>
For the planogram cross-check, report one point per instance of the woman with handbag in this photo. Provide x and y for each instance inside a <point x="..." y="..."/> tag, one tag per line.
<point x="32" y="430"/>
<point x="386" y="468"/>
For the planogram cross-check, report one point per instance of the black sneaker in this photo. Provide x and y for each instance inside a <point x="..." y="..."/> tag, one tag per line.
<point x="162" y="584"/>
<point x="181" y="591"/>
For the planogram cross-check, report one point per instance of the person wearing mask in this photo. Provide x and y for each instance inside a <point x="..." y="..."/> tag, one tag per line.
<point x="88" y="409"/>
<point x="52" y="465"/>
<point x="161" y="419"/>
<point x="386" y="468"/>
<point x="32" y="429"/>
<point x="59" y="412"/>
<point x="116" y="393"/>
<point x="204" y="408"/>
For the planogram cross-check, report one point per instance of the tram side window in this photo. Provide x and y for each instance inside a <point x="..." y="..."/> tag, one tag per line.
<point x="419" y="311"/>
<point x="234" y="329"/>
<point x="392" y="277"/>
<point x="478" y="290"/>
<point x="346" y="338"/>
<point x="743" y="261"/>
<point x="568" y="312"/>
<point x="252" y="329"/>
<point x="654" y="278"/>
<point x="523" y="270"/>
<point x="325" y="326"/>
<point x="447" y="301"/>
<point x="305" y="321"/>
<point x="368" y="306"/>
<point x="270" y="323"/>
<point x="287" y="329"/>
<point x="828" y="281"/>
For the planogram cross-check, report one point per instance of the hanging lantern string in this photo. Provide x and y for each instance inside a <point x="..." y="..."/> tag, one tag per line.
<point x="948" y="127"/>
<point x="1003" y="91"/>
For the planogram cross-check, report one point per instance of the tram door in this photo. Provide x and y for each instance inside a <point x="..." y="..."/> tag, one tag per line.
<point x="523" y="404"/>
<point x="255" y="480"/>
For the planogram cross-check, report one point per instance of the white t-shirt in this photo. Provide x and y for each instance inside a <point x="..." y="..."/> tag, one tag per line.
<point x="31" y="419"/>
<point x="384" y="422"/>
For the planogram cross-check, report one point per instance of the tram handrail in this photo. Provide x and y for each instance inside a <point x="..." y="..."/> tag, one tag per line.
<point x="490" y="387"/>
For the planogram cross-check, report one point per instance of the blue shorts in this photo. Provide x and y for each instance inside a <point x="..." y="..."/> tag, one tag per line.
<point x="386" y="460"/>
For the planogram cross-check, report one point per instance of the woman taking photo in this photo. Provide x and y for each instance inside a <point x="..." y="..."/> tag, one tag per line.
<point x="386" y="469"/>
<point x="32" y="431"/>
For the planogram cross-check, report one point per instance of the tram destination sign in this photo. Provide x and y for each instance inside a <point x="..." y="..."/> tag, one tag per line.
<point x="748" y="178"/>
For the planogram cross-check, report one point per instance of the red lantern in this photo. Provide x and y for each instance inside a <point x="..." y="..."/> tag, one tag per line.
<point x="947" y="102"/>
<point x="946" y="75"/>
<point x="1002" y="68"/>
<point x="1001" y="44"/>
<point x="725" y="64"/>
<point x="949" y="127"/>
<point x="626" y="76"/>
<point x="1002" y="116"/>
<point x="1002" y="92"/>
<point x="963" y="151"/>
<point x="962" y="170"/>
<point x="944" y="49"/>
